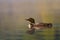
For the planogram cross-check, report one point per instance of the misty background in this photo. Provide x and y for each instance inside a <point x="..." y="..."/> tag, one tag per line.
<point x="14" y="12"/>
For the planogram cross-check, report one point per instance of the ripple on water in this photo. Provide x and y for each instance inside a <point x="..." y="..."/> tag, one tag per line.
<point x="13" y="36"/>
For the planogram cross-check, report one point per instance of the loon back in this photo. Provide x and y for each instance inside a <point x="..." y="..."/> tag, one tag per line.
<point x="40" y="25"/>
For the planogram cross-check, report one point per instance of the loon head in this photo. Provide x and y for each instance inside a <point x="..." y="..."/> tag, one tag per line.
<point x="31" y="20"/>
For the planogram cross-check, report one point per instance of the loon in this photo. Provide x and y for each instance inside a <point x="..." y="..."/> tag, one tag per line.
<point x="37" y="26"/>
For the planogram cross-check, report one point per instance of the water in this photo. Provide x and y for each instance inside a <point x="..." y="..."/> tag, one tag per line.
<point x="57" y="32"/>
<point x="11" y="36"/>
<point x="46" y="34"/>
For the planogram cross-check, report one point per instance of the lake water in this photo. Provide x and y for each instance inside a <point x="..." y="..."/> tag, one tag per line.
<point x="46" y="34"/>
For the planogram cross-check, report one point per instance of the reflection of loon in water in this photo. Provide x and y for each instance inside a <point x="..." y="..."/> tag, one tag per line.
<point x="36" y="26"/>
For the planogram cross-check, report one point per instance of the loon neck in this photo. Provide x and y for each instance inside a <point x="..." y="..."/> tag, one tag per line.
<point x="32" y="23"/>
